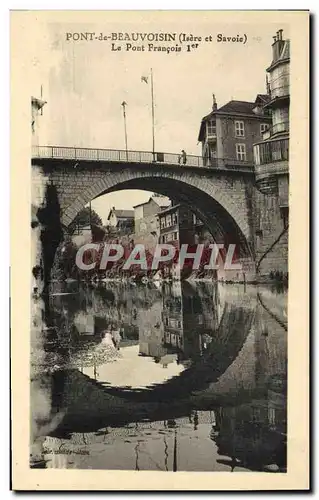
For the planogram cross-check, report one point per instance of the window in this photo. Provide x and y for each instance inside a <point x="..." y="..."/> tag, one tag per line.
<point x="174" y="219"/>
<point x="211" y="128"/>
<point x="239" y="129"/>
<point x="163" y="223"/>
<point x="241" y="152"/>
<point x="168" y="220"/>
<point x="263" y="127"/>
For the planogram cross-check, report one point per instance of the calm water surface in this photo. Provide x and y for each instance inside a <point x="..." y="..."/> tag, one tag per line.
<point x="169" y="377"/>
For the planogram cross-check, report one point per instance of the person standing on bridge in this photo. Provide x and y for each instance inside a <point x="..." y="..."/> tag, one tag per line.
<point x="182" y="157"/>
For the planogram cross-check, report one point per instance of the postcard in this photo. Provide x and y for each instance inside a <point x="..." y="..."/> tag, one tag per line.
<point x="159" y="270"/>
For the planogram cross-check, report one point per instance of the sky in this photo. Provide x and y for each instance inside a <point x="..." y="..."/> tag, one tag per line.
<point x="84" y="84"/>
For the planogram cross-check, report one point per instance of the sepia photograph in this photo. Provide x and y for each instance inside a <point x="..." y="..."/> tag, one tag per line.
<point x="159" y="224"/>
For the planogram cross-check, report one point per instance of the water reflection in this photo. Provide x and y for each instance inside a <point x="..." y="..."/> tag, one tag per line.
<point x="175" y="377"/>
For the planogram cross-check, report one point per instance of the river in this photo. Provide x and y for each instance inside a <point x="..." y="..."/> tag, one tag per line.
<point x="178" y="377"/>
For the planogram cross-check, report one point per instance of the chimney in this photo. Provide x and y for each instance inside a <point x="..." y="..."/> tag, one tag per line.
<point x="277" y="45"/>
<point x="214" y="103"/>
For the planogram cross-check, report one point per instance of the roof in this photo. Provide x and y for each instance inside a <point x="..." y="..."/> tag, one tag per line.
<point x="262" y="97"/>
<point x="122" y="214"/>
<point x="161" y="201"/>
<point x="231" y="108"/>
<point x="235" y="107"/>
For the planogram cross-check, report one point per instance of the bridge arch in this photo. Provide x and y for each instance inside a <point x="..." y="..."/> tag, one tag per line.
<point x="224" y="214"/>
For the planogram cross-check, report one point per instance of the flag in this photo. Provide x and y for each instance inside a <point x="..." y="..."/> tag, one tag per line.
<point x="144" y="79"/>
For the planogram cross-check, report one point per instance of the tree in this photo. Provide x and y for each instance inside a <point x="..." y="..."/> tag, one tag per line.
<point x="83" y="218"/>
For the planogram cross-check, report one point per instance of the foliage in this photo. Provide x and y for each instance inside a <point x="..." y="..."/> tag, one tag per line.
<point x="84" y="218"/>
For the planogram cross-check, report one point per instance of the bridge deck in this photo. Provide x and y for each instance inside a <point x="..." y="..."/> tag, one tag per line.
<point x="123" y="156"/>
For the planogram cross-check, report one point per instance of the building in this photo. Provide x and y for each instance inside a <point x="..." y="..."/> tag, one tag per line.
<point x="146" y="223"/>
<point x="151" y="207"/>
<point x="271" y="158"/>
<point x="121" y="219"/>
<point x="272" y="153"/>
<point x="177" y="225"/>
<point x="172" y="316"/>
<point x="228" y="133"/>
<point x="188" y="323"/>
<point x="151" y="331"/>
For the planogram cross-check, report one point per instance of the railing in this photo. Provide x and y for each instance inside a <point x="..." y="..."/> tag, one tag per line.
<point x="271" y="151"/>
<point x="113" y="155"/>
<point x="211" y="133"/>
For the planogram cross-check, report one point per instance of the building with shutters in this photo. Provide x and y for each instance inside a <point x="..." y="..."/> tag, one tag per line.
<point x="227" y="134"/>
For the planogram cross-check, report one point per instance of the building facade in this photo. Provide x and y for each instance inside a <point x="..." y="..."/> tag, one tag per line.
<point x="121" y="219"/>
<point x="227" y="134"/>
<point x="188" y="321"/>
<point x="177" y="225"/>
<point x="271" y="159"/>
<point x="146" y="220"/>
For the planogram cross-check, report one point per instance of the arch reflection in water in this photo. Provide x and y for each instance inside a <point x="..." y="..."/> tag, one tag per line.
<point x="199" y="367"/>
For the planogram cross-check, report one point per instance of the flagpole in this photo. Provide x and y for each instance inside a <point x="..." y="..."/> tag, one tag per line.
<point x="153" y="121"/>
<point x="125" y="131"/>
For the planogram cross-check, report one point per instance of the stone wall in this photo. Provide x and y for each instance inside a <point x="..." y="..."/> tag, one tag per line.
<point x="271" y="236"/>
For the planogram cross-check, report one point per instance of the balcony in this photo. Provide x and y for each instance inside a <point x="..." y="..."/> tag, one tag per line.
<point x="211" y="134"/>
<point x="271" y="157"/>
<point x="271" y="151"/>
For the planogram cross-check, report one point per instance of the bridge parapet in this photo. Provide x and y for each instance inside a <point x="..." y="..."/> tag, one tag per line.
<point x="114" y="156"/>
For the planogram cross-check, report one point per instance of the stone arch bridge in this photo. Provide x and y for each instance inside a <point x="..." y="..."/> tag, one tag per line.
<point x="222" y="195"/>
